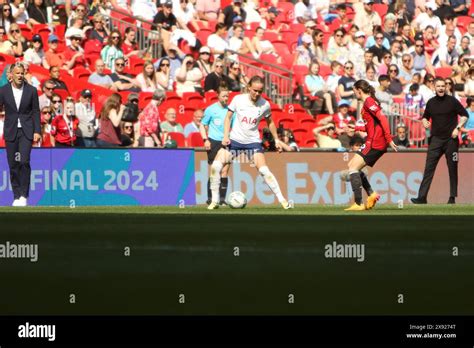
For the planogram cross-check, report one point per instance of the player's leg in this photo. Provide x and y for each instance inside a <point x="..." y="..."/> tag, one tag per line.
<point x="355" y="165"/>
<point x="270" y="180"/>
<point x="223" y="157"/>
<point x="452" y="159"/>
<point x="435" y="151"/>
<point x="224" y="183"/>
<point x="372" y="196"/>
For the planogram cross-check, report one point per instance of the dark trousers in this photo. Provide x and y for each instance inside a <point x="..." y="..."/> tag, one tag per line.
<point x="439" y="146"/>
<point x="18" y="155"/>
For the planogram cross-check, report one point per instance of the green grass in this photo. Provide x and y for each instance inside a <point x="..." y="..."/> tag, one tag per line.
<point x="191" y="251"/>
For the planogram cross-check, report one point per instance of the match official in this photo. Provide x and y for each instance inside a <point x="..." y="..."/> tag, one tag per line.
<point x="22" y="127"/>
<point x="441" y="113"/>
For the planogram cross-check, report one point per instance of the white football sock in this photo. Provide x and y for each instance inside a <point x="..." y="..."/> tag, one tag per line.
<point x="271" y="182"/>
<point x="215" y="177"/>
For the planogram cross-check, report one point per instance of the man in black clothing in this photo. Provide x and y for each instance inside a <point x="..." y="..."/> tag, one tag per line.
<point x="55" y="74"/>
<point x="401" y="139"/>
<point x="215" y="79"/>
<point x="378" y="49"/>
<point x="123" y="81"/>
<point x="441" y="113"/>
<point x="165" y="19"/>
<point x="232" y="11"/>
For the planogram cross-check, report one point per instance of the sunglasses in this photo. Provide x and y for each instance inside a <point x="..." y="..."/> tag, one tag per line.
<point x="128" y="127"/>
<point x="56" y="101"/>
<point x="76" y="39"/>
<point x="189" y="63"/>
<point x="80" y="9"/>
<point x="393" y="70"/>
<point x="15" y="31"/>
<point x="348" y="67"/>
<point x="46" y="112"/>
<point x="379" y="37"/>
<point x="339" y="35"/>
<point x="419" y="45"/>
<point x="115" y="37"/>
<point x="430" y="81"/>
<point x="48" y="88"/>
<point x="219" y="66"/>
<point x="387" y="57"/>
<point x="406" y="60"/>
<point x="120" y="64"/>
<point x="168" y="64"/>
<point x="205" y="53"/>
<point x="6" y="10"/>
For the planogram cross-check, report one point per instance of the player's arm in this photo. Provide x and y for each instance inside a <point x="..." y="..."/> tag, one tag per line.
<point x="386" y="129"/>
<point x="273" y="130"/>
<point x="227" y="122"/>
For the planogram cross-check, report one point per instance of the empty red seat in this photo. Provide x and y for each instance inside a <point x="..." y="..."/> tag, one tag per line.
<point x="178" y="137"/>
<point x="195" y="140"/>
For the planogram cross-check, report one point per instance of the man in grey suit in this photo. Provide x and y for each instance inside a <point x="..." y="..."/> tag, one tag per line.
<point x="22" y="127"/>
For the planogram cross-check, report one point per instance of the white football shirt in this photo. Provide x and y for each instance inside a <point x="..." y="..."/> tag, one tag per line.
<point x="247" y="116"/>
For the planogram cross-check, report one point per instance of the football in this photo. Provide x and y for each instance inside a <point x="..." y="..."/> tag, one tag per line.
<point x="237" y="200"/>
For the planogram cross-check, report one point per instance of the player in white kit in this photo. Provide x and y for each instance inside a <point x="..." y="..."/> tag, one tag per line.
<point x="244" y="139"/>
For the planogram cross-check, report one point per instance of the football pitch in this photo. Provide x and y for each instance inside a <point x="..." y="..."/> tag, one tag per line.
<point x="313" y="260"/>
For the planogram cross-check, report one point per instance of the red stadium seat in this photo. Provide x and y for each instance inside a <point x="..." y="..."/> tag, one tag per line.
<point x="195" y="140"/>
<point x="178" y="137"/>
<point x="381" y="9"/>
<point x="443" y="72"/>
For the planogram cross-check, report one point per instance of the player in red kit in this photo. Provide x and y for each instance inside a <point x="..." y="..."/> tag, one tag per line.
<point x="376" y="142"/>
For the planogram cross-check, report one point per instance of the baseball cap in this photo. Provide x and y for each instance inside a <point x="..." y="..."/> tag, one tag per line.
<point x="52" y="38"/>
<point x="37" y="38"/>
<point x="307" y="38"/>
<point x="204" y="49"/>
<point x="310" y="24"/>
<point x="86" y="93"/>
<point x="74" y="32"/>
<point x="368" y="1"/>
<point x="360" y="34"/>
<point x="274" y="10"/>
<point x="343" y="102"/>
<point x="431" y="6"/>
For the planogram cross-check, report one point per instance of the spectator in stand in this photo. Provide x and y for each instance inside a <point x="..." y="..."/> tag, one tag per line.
<point x="52" y="57"/>
<point x="45" y="98"/>
<point x="147" y="80"/>
<point x="88" y="123"/>
<point x="337" y="49"/>
<point x="55" y="77"/>
<point x="261" y="46"/>
<point x="150" y="130"/>
<point x="98" y="77"/>
<point x="270" y="22"/>
<point x="469" y="125"/>
<point x="35" y="54"/>
<point x="401" y="139"/>
<point x="365" y="17"/>
<point x="37" y="12"/>
<point x="443" y="10"/>
<point x="459" y="7"/>
<point x="470" y="35"/>
<point x="176" y="56"/>
<point x="170" y="125"/>
<point x="6" y="17"/>
<point x="166" y="22"/>
<point x="448" y="29"/>
<point x="287" y="140"/>
<point x="239" y="43"/>
<point x="421" y="60"/>
<point x="304" y="55"/>
<point x="163" y="75"/>
<point x="128" y="135"/>
<point x="378" y="49"/>
<point x="361" y="69"/>
<point x="204" y="60"/>
<point x="317" y="48"/>
<point x="47" y="140"/>
<point x="144" y="9"/>
<point x="17" y="40"/>
<point x="414" y="103"/>
<point x="318" y="87"/>
<point x="64" y="127"/>
<point x="416" y="78"/>
<point x="208" y="10"/>
<point x="407" y="40"/>
<point x="189" y="77"/>
<point x="446" y="56"/>
<point x="385" y="64"/>
<point x="100" y="32"/>
<point x="129" y="44"/>
<point x="428" y="19"/>
<point x="56" y="105"/>
<point x="123" y="81"/>
<point x="342" y="118"/>
<point x="389" y="27"/>
<point x="427" y="89"/>
<point x="77" y="29"/>
<point x="30" y="78"/>
<point x="332" y="80"/>
<point x="383" y="96"/>
<point x="396" y="52"/>
<point x="346" y="134"/>
<point x="19" y="13"/>
<point x="303" y="12"/>
<point x="113" y="50"/>
<point x="109" y="122"/>
<point x="193" y="126"/>
<point x="469" y="86"/>
<point x="406" y="70"/>
<point x="217" y="77"/>
<point x="80" y="11"/>
<point x="217" y="42"/>
<point x="371" y="40"/>
<point x="396" y="87"/>
<point x="464" y="48"/>
<point x="328" y="140"/>
<point x="5" y="46"/>
<point x="450" y="88"/>
<point x="74" y="54"/>
<point x="230" y="12"/>
<point x="345" y="84"/>
<point x="237" y="78"/>
<point x="186" y="14"/>
<point x="371" y="76"/>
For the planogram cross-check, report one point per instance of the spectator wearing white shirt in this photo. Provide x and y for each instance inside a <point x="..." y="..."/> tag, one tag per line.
<point x="217" y="42"/>
<point x="428" y="18"/>
<point x="193" y="126"/>
<point x="446" y="56"/>
<point x="303" y="12"/>
<point x="145" y="9"/>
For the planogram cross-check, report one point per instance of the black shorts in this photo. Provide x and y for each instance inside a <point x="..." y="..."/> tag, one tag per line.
<point x="371" y="156"/>
<point x="212" y="153"/>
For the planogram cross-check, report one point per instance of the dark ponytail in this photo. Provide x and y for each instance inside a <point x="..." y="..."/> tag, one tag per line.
<point x="365" y="87"/>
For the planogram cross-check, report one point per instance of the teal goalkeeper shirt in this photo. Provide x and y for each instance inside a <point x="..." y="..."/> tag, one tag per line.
<point x="214" y="117"/>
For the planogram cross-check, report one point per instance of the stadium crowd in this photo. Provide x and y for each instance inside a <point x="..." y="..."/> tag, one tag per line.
<point x="99" y="89"/>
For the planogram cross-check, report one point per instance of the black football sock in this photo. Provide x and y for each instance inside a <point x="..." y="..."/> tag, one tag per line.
<point x="356" y="184"/>
<point x="365" y="183"/>
<point x="209" y="192"/>
<point x="223" y="188"/>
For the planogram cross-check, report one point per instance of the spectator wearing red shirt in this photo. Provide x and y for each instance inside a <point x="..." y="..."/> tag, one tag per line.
<point x="270" y="21"/>
<point x="64" y="127"/>
<point x="47" y="140"/>
<point x="74" y="54"/>
<point x="150" y="121"/>
<point x="110" y="117"/>
<point x="129" y="44"/>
